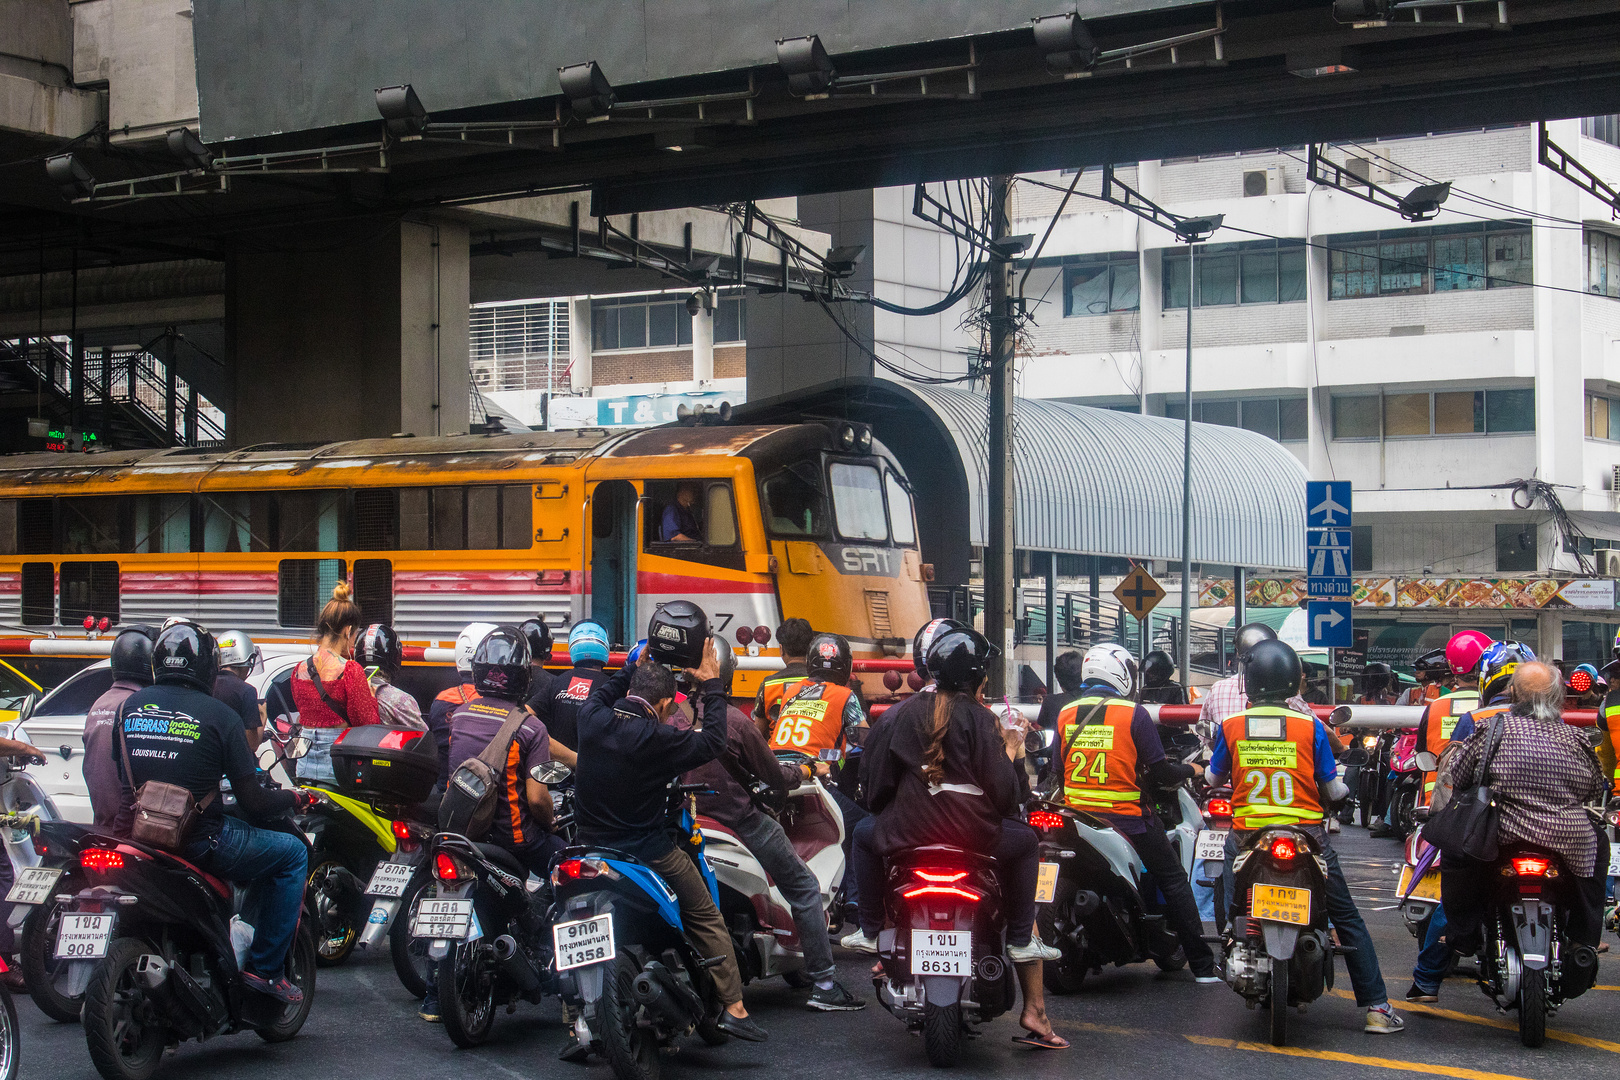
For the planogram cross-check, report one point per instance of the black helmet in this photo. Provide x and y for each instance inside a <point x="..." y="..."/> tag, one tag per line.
<point x="132" y="655"/>
<point x="728" y="666"/>
<point x="676" y="633"/>
<point x="1375" y="678"/>
<point x="380" y="647"/>
<point x="1272" y="672"/>
<point x="1433" y="664"/>
<point x="919" y="644"/>
<point x="957" y="659"/>
<point x="1248" y="636"/>
<point x="539" y="635"/>
<point x="500" y="664"/>
<point x="185" y="653"/>
<point x="1157" y="667"/>
<point x="829" y="659"/>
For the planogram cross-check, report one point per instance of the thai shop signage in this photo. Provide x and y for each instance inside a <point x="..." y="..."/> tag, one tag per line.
<point x="1582" y="594"/>
<point x="631" y="410"/>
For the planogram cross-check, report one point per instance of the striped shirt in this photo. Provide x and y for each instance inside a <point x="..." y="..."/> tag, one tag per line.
<point x="1226" y="698"/>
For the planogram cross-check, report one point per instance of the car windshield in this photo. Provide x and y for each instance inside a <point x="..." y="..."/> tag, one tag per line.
<point x="794" y="504"/>
<point x="858" y="502"/>
<point x="13" y="688"/>
<point x="74" y="697"/>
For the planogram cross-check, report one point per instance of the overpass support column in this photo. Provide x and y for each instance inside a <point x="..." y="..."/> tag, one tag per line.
<point x="703" y="344"/>
<point x="356" y="336"/>
<point x="579" y="345"/>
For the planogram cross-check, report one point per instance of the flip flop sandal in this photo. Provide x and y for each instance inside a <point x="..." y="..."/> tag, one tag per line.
<point x="1053" y="1041"/>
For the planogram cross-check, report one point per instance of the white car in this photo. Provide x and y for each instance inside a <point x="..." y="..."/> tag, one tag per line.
<point x="57" y="726"/>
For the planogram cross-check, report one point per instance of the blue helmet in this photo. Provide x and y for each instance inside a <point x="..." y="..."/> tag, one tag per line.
<point x="1497" y="665"/>
<point x="588" y="641"/>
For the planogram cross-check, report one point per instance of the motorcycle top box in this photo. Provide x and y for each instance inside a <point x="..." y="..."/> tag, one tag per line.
<point x="384" y="764"/>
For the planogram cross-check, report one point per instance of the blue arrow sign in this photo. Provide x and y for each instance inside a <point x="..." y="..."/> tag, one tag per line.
<point x="1327" y="538"/>
<point x="1329" y="624"/>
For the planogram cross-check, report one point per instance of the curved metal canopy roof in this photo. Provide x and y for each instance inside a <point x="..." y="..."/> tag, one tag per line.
<point x="1100" y="482"/>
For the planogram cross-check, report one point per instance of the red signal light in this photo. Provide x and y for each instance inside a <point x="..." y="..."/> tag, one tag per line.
<point x="89" y="622"/>
<point x="1283" y="849"/>
<point x="445" y="868"/>
<point x="1531" y="866"/>
<point x="1045" y="819"/>
<point x="762" y="635"/>
<point x="104" y="624"/>
<point x="101" y="859"/>
<point x="1580" y="682"/>
<point x="744" y="635"/>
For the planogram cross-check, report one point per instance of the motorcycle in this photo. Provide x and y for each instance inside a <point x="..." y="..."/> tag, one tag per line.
<point x="152" y="943"/>
<point x="1418" y="893"/>
<point x="488" y="934"/>
<point x="1372" y="788"/>
<point x="1406" y="782"/>
<point x="348" y="839"/>
<point x="763" y="932"/>
<point x="624" y="968"/>
<point x="1278" y="953"/>
<point x="1217" y="815"/>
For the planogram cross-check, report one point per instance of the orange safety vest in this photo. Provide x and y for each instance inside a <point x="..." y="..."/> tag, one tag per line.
<point x="1611" y="722"/>
<point x="1099" y="764"/>
<point x="774" y="689"/>
<point x="1273" y="751"/>
<point x="1438" y="724"/>
<point x="812" y="718"/>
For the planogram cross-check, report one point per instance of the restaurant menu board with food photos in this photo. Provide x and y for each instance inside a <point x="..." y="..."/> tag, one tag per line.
<point x="1585" y="594"/>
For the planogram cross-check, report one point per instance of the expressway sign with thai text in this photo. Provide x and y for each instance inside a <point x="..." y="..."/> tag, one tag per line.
<point x="1327" y="539"/>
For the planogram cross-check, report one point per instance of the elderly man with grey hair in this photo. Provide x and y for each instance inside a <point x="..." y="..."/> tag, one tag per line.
<point x="1543" y="774"/>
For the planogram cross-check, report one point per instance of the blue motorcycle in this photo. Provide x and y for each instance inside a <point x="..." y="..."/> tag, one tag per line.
<point x="624" y="967"/>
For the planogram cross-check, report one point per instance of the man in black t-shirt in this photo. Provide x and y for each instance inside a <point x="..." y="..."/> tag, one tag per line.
<point x="1067" y="668"/>
<point x="237" y="655"/>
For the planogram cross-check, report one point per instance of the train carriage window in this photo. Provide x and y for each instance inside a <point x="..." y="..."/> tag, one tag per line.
<point x="415" y="519"/>
<point x="95" y="525"/>
<point x="302" y="588"/>
<point x="483" y="518"/>
<point x="161" y="524"/>
<point x="858" y="501"/>
<point x="36" y="527"/>
<point x="237" y="522"/>
<point x="8" y="526"/>
<point x="376" y="520"/>
<point x="794" y="504"/>
<point x="449" y="519"/>
<point x="89" y="589"/>
<point x="38" y="594"/>
<point x="517" y="516"/>
<point x="902" y="523"/>
<point x="374" y="589"/>
<point x="309" y="521"/>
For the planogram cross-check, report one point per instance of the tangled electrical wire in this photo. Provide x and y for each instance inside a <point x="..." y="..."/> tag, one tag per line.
<point x="1526" y="493"/>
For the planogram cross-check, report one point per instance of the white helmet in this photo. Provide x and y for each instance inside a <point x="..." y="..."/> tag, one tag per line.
<point x="1111" y="664"/>
<point x="236" y="649"/>
<point x="467" y="643"/>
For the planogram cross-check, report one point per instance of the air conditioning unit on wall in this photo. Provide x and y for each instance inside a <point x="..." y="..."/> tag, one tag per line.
<point x="1608" y="562"/>
<point x="1258" y="182"/>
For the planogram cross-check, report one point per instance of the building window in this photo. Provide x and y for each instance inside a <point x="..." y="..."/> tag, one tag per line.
<point x="1444" y="412"/>
<point x="1097" y="286"/>
<point x="643" y="322"/>
<point x="1602" y="263"/>
<point x="1515" y="548"/>
<point x="519" y="346"/>
<point x="1361" y="549"/>
<point x="1602" y="417"/>
<point x="1602" y="128"/>
<point x="1260" y="272"/>
<point x="1448" y="258"/>
<point x="1282" y="419"/>
<point x="302" y="588"/>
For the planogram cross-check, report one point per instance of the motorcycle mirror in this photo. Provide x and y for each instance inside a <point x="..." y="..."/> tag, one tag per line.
<point x="831" y="753"/>
<point x="550" y="772"/>
<point x="1039" y="740"/>
<point x="297" y="747"/>
<point x="267" y="758"/>
<point x="1426" y="761"/>
<point x="1339" y="716"/>
<point x="26" y="709"/>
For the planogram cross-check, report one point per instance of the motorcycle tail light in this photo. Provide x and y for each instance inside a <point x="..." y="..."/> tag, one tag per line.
<point x="101" y="859"/>
<point x="1045" y="819"/>
<point x="1533" y="866"/>
<point x="940" y="890"/>
<point x="1283" y="849"/>
<point x="1219" y="808"/>
<point x="581" y="870"/>
<point x="398" y="740"/>
<point x="446" y="869"/>
<point x="941" y="877"/>
<point x="402" y="830"/>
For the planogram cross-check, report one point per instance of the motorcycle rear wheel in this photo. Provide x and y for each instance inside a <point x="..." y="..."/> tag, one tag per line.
<point x="121" y="1046"/>
<point x="1533" y="1007"/>
<point x="467" y="993"/>
<point x="10" y="1040"/>
<point x="302" y="961"/>
<point x="409" y="954"/>
<point x="339" y="925"/>
<point x="1067" y="975"/>
<point x="1279" y="1002"/>
<point x="632" y="1050"/>
<point x="1405" y="815"/>
<point x="942" y="1034"/>
<point x="39" y="966"/>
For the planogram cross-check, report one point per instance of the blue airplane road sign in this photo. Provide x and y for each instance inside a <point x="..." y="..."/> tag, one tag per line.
<point x="1329" y="624"/>
<point x="1327" y="538"/>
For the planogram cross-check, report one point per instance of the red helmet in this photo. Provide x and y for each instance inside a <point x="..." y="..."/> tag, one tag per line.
<point x="1464" y="650"/>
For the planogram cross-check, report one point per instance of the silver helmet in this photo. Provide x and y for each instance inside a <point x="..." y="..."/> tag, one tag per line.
<point x="236" y="649"/>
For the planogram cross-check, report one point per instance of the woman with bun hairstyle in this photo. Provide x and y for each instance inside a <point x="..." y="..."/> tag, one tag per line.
<point x="330" y="688"/>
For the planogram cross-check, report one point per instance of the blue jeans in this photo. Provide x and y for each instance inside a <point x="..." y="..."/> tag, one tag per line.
<point x="1359" y="959"/>
<point x="317" y="764"/>
<point x="1435" y="957"/>
<point x="273" y="866"/>
<point x="1018" y="859"/>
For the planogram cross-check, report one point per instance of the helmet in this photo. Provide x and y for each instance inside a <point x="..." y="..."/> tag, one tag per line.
<point x="676" y="633"/>
<point x="1464" y="650"/>
<point x="1432" y="664"/>
<point x="919" y="644"/>
<point x="728" y="666"/>
<point x="1111" y="664"/>
<point x="1248" y="636"/>
<point x="539" y="635"/>
<point x="1496" y="667"/>
<point x="380" y="647"/>
<point x="132" y="655"/>
<point x="500" y="664"/>
<point x="236" y="649"/>
<point x="957" y="659"/>
<point x="1584" y="678"/>
<point x="1375" y="678"/>
<point x="587" y="641"/>
<point x="185" y="653"/>
<point x="829" y="659"/>
<point x="1157" y="667"/>
<point x="1272" y="672"/>
<point x="467" y="642"/>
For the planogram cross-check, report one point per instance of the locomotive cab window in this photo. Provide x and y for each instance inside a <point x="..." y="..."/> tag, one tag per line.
<point x="700" y="510"/>
<point x="902" y="522"/>
<point x="794" y="504"/>
<point x="858" y="501"/>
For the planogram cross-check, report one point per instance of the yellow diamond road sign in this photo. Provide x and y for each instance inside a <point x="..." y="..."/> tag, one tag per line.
<point x="1138" y="593"/>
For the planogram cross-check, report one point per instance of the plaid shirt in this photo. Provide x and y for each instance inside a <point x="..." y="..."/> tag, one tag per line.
<point x="1226" y="698"/>
<point x="1542" y="775"/>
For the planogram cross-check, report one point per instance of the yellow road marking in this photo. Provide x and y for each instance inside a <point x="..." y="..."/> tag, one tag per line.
<point x="1505" y="1025"/>
<point x="1352" y="1059"/>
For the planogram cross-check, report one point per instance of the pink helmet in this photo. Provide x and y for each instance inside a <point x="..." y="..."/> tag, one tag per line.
<point x="1464" y="650"/>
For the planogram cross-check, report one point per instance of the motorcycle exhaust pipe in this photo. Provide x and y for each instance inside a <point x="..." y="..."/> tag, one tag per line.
<point x="378" y="923"/>
<point x="152" y="972"/>
<point x="650" y="993"/>
<point x="515" y="965"/>
<point x="1086" y="902"/>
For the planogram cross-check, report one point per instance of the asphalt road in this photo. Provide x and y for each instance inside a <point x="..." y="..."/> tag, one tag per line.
<point x="1128" y="1021"/>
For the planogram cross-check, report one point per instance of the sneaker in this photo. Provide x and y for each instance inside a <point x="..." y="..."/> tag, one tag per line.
<point x="1332" y="824"/>
<point x="1384" y="1020"/>
<point x="575" y="1052"/>
<point x="741" y="1027"/>
<point x="280" y="989"/>
<point x="1417" y="993"/>
<point x="1379" y="830"/>
<point x="1212" y="977"/>
<point x="835" y="999"/>
<point x="430" y="1008"/>
<point x="1035" y="950"/>
<point x="859" y="942"/>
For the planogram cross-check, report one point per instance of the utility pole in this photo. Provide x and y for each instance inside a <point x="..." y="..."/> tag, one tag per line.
<point x="1001" y="538"/>
<point x="1184" y="645"/>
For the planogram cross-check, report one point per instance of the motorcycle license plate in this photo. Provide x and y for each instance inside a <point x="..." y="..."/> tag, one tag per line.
<point x="83" y="937"/>
<point x="1046" y="883"/>
<point x="942" y="952"/>
<point x="1278" y="903"/>
<point x="447" y="919"/>
<point x="390" y="879"/>
<point x="33" y="885"/>
<point x="1614" y="861"/>
<point x="1211" y="846"/>
<point x="1427" y="889"/>
<point x="584" y="941"/>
